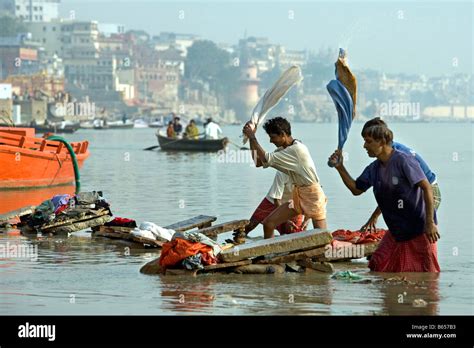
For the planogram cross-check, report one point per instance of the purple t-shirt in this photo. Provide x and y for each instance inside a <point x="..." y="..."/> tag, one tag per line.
<point x="398" y="197"/>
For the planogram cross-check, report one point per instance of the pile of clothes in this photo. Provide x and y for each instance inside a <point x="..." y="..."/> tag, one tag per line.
<point x="190" y="250"/>
<point x="121" y="222"/>
<point x="358" y="237"/>
<point x="62" y="207"/>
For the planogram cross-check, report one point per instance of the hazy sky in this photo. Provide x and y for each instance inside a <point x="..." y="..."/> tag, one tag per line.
<point x="429" y="37"/>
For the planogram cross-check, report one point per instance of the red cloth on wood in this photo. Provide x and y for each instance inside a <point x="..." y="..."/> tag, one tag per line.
<point x="178" y="249"/>
<point x="415" y="255"/>
<point x="265" y="208"/>
<point x="61" y="208"/>
<point x="357" y="237"/>
<point x="208" y="259"/>
<point x="122" y="222"/>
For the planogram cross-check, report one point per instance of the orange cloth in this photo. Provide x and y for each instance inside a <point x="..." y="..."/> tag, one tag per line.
<point x="170" y="132"/>
<point x="178" y="249"/>
<point x="357" y="237"/>
<point x="309" y="201"/>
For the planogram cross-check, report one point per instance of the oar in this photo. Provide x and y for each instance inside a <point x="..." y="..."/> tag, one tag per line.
<point x="151" y="148"/>
<point x="238" y="146"/>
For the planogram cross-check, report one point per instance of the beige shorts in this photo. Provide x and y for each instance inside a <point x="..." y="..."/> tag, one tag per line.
<point x="309" y="201"/>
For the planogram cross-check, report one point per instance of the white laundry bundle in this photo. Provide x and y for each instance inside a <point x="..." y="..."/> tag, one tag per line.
<point x="152" y="231"/>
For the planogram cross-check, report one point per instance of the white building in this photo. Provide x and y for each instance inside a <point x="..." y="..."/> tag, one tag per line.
<point x="31" y="10"/>
<point x="181" y="42"/>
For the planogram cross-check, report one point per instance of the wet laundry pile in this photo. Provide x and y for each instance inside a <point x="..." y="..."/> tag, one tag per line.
<point x="61" y="212"/>
<point x="358" y="237"/>
<point x="189" y="250"/>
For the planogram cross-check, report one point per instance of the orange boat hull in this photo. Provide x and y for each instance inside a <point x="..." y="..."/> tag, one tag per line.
<point x="11" y="200"/>
<point x="27" y="162"/>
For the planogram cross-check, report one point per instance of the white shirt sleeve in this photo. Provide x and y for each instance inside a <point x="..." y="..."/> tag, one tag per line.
<point x="278" y="186"/>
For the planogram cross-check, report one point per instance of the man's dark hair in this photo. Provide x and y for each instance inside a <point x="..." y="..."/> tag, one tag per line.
<point x="379" y="133"/>
<point x="377" y="121"/>
<point x="277" y="125"/>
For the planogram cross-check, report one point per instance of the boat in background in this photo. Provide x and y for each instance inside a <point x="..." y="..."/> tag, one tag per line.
<point x="29" y="161"/>
<point x="140" y="124"/>
<point x="64" y="127"/>
<point x="195" y="145"/>
<point x="157" y="123"/>
<point x="120" y="124"/>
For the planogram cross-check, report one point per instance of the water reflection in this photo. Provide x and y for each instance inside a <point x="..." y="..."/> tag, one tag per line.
<point x="410" y="293"/>
<point x="15" y="199"/>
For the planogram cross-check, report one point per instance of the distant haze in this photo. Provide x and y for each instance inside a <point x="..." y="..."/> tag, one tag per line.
<point x="432" y="38"/>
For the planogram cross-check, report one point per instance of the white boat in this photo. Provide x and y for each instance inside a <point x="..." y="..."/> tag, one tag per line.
<point x="120" y="124"/>
<point x="140" y="124"/>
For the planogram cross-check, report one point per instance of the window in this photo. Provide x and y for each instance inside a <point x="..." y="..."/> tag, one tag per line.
<point x="44" y="40"/>
<point x="41" y="18"/>
<point x="44" y="28"/>
<point x="18" y="8"/>
<point x="35" y="8"/>
<point x="36" y="18"/>
<point x="41" y="8"/>
<point x="54" y="28"/>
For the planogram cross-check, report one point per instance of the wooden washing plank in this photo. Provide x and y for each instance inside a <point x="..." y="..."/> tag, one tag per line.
<point x="325" y="267"/>
<point x="226" y="265"/>
<point x="147" y="241"/>
<point x="213" y="231"/>
<point x="114" y="232"/>
<point x="287" y="243"/>
<point x="78" y="225"/>
<point x="350" y="252"/>
<point x="96" y="214"/>
<point x="294" y="256"/>
<point x="199" y="221"/>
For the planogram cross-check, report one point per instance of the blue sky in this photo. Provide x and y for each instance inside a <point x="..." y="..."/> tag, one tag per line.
<point x="429" y="37"/>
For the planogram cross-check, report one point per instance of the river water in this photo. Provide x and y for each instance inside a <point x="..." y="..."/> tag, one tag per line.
<point x="83" y="275"/>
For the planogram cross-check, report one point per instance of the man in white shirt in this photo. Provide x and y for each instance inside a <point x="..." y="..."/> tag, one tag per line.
<point x="292" y="158"/>
<point x="280" y="192"/>
<point x="212" y="130"/>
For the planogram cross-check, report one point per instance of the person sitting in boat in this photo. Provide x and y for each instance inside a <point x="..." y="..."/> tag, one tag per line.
<point x="170" y="130"/>
<point x="177" y="126"/>
<point x="191" y="131"/>
<point x="405" y="198"/>
<point x="280" y="192"/>
<point x="291" y="157"/>
<point x="430" y="175"/>
<point x="212" y="129"/>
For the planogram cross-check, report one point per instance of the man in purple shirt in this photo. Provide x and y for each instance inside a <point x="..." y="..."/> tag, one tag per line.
<point x="405" y="198"/>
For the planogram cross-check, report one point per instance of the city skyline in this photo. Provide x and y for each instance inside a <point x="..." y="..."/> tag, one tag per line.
<point x="375" y="35"/>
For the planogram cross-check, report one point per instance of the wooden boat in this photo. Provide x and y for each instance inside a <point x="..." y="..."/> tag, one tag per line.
<point x="120" y="125"/>
<point x="58" y="129"/>
<point x="203" y="145"/>
<point x="29" y="161"/>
